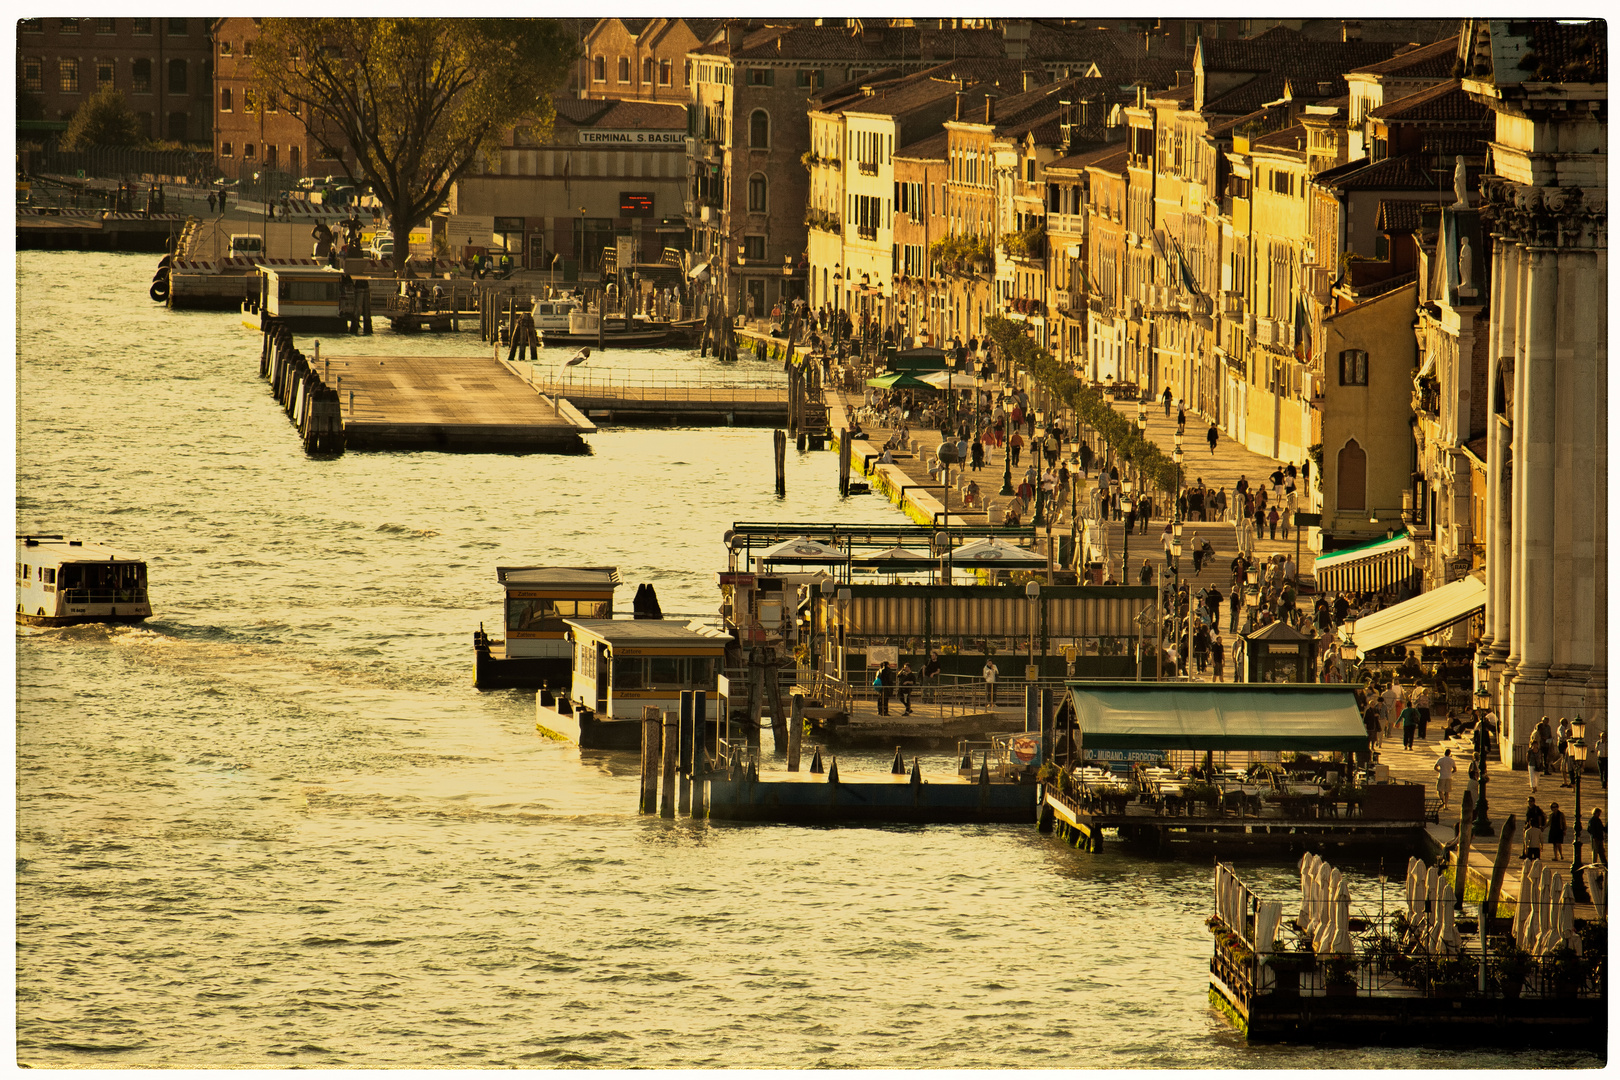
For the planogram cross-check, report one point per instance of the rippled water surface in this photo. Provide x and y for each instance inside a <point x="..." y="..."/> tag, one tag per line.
<point x="275" y="826"/>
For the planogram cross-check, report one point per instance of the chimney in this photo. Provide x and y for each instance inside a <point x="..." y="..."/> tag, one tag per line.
<point x="989" y="109"/>
<point x="734" y="34"/>
<point x="1029" y="80"/>
<point x="958" y="114"/>
<point x="1352" y="30"/>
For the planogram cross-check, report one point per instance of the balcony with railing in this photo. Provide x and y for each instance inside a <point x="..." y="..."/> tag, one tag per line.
<point x="866" y="232"/>
<point x="867" y="168"/>
<point x="1026" y="245"/>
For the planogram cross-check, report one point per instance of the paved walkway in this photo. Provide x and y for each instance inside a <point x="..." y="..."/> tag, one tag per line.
<point x="1507" y="791"/>
<point x="1222" y="469"/>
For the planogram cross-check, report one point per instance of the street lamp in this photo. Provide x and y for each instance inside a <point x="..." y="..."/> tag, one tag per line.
<point x="1576" y="748"/>
<point x="1482" y="749"/>
<point x="1127" y="488"/>
<point x="843" y="632"/>
<point x="1251" y="600"/>
<point x="1033" y="591"/>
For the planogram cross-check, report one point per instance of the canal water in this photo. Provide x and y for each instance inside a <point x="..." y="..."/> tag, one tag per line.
<point x="275" y="826"/>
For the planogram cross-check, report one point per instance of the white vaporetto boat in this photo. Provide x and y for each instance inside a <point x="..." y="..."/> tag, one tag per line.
<point x="61" y="582"/>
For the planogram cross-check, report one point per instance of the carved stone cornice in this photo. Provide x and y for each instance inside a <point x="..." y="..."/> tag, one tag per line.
<point x="1545" y="217"/>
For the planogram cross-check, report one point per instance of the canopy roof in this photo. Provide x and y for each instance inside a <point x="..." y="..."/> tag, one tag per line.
<point x="1316" y="717"/>
<point x="559" y="577"/>
<point x="1423" y="614"/>
<point x="803" y="550"/>
<point x="1365" y="567"/>
<point x="991" y="552"/>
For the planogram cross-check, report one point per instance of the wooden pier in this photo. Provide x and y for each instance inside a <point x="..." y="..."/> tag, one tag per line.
<point x="467" y="404"/>
<point x="654" y="405"/>
<point x="48" y="228"/>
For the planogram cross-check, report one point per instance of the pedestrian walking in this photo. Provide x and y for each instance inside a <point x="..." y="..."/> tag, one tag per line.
<point x="1534" y="821"/>
<point x="1535" y="760"/>
<point x="1445" y="767"/>
<point x="990" y="673"/>
<point x="1015" y="444"/>
<point x="1409" y="723"/>
<point x="1145" y="575"/>
<point x="1167" y="401"/>
<point x="1213" y="437"/>
<point x="908" y="683"/>
<point x="1373" y="721"/>
<point x="1555" y="832"/>
<point x="1217" y="652"/>
<point x="1600" y="750"/>
<point x="1272" y="518"/>
<point x="1181" y="421"/>
<point x="1598" y="833"/>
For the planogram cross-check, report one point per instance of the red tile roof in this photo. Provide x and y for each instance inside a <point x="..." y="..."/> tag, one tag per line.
<point x="1424" y="62"/>
<point x="1443" y="103"/>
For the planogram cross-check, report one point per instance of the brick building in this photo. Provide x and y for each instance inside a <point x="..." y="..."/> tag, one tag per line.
<point x="163" y="67"/>
<point x="641" y="59"/>
<point x="253" y="136"/>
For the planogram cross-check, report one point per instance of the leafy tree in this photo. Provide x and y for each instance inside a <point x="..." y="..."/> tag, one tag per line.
<point x="103" y="120"/>
<point x="409" y="105"/>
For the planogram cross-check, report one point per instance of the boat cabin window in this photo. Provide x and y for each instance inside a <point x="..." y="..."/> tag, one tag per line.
<point x="47" y="575"/>
<point x="104" y="583"/>
<point x="635" y="672"/>
<point x="524" y="613"/>
<point x="306" y="291"/>
<point x="585" y="660"/>
<point x="627" y="673"/>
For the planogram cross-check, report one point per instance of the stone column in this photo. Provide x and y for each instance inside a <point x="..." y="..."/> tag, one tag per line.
<point x="1498" y="534"/>
<point x="1575" y="597"/>
<point x="1534" y="482"/>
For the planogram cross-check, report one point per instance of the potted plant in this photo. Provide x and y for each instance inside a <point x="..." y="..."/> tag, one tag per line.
<point x="1513" y="966"/>
<point x="1339" y="976"/>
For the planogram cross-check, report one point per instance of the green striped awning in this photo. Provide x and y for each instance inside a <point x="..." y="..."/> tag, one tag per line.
<point x="1312" y="717"/>
<point x="1365" y="568"/>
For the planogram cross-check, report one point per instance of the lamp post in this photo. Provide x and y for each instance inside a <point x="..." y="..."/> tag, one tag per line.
<point x="1033" y="591"/>
<point x="1347" y="648"/>
<point x="1141" y="429"/>
<point x="1006" y="460"/>
<point x="1482" y="749"/>
<point x="1127" y="488"/>
<point x="1577" y="752"/>
<point x="843" y="633"/>
<point x="1251" y="600"/>
<point x="1041" y="509"/>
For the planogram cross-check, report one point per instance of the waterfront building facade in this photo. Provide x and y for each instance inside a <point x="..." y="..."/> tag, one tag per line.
<point x="162" y="67"/>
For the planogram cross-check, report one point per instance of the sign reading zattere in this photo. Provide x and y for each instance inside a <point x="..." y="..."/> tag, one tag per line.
<point x="633" y="138"/>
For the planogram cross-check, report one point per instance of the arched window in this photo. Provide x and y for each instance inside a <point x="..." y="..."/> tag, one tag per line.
<point x="756" y="194"/>
<point x="1352" y="480"/>
<point x="759" y="130"/>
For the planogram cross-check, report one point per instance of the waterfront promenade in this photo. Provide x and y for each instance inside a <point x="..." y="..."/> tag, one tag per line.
<point x="1507" y="792"/>
<point x="1222" y="469"/>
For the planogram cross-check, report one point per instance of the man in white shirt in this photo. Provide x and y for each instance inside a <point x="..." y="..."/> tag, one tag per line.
<point x="990" y="673"/>
<point x="1445" y="767"/>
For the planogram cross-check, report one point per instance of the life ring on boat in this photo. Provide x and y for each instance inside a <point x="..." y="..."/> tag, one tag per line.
<point x="159" y="291"/>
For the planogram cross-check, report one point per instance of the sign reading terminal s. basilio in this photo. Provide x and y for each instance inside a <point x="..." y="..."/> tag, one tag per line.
<point x="633" y="138"/>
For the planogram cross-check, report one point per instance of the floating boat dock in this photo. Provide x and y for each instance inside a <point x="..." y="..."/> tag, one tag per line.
<point x="653" y="405"/>
<point x="742" y="794"/>
<point x="467" y="404"/>
<point x="99" y="230"/>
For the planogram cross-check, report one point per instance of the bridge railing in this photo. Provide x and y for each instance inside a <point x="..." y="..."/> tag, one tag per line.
<point x="651" y="387"/>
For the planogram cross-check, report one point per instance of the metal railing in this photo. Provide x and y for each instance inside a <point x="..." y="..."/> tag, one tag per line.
<point x="103" y="596"/>
<point x="652" y="388"/>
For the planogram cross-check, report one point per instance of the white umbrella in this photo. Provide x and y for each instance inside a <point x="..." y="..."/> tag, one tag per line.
<point x="1597" y="883"/>
<point x="950" y="380"/>
<point x="803" y="550"/>
<point x="1521" y="911"/>
<point x="991" y="552"/>
<point x="1446" y="936"/>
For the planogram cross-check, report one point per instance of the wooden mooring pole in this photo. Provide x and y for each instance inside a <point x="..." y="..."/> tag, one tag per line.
<point x="684" y="791"/>
<point x="652" y="755"/>
<point x="779" y="443"/>
<point x="671" y="748"/>
<point x="843" y="461"/>
<point x="795" y="733"/>
<point x="700" y="755"/>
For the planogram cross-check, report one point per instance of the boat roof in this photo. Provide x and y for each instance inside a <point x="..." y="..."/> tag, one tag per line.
<point x="61" y="549"/>
<point x="649" y="632"/>
<point x="559" y="577"/>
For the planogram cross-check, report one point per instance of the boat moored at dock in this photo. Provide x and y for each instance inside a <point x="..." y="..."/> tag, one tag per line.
<point x="623" y="669"/>
<point x="61" y="582"/>
<point x="535" y="651"/>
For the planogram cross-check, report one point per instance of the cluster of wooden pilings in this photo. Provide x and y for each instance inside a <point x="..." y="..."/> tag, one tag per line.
<point x="681" y="750"/>
<point x="314" y="408"/>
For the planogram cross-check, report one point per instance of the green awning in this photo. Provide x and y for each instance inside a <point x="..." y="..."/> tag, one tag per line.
<point x="1306" y="717"/>
<point x="897" y="379"/>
